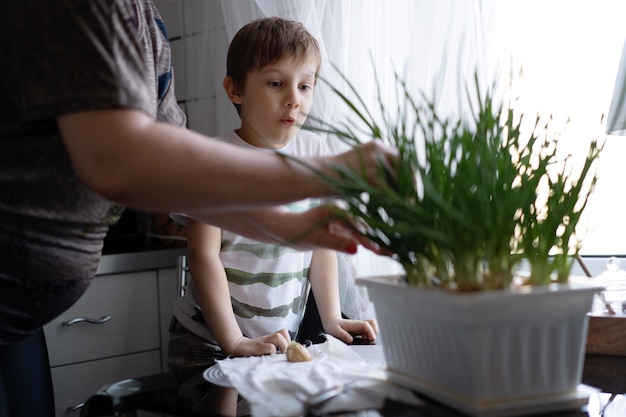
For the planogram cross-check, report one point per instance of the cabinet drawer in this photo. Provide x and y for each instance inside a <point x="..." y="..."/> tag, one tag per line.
<point x="74" y="384"/>
<point x="131" y="301"/>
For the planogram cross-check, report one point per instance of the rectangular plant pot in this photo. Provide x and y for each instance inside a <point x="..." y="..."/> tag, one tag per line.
<point x="486" y="353"/>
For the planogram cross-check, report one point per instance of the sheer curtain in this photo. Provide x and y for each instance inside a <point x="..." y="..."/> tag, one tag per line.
<point x="436" y="43"/>
<point x="433" y="44"/>
<point x="569" y="51"/>
<point x="322" y="18"/>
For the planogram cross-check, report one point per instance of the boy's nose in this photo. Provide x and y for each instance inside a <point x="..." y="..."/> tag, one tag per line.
<point x="292" y="100"/>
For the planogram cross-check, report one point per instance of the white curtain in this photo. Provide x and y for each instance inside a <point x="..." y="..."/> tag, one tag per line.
<point x="323" y="20"/>
<point x="435" y="44"/>
<point x="569" y="51"/>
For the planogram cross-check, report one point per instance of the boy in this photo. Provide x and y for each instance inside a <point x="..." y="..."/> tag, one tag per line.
<point x="245" y="297"/>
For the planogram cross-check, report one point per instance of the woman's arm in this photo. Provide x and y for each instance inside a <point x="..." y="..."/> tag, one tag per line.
<point x="323" y="275"/>
<point x="213" y="296"/>
<point x="129" y="158"/>
<point x="311" y="229"/>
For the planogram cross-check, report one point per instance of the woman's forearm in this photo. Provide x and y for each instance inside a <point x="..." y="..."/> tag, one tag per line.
<point x="128" y="158"/>
<point x="315" y="228"/>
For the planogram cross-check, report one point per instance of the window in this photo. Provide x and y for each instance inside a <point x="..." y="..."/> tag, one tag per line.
<point x="569" y="52"/>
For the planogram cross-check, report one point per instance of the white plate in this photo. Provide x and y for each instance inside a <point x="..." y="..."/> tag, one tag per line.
<point x="370" y="353"/>
<point x="215" y="376"/>
<point x="615" y="408"/>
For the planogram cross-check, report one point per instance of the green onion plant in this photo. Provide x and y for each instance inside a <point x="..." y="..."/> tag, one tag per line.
<point x="468" y="200"/>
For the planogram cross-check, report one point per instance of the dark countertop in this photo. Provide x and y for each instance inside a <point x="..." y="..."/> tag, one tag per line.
<point x="142" y="241"/>
<point x="139" y="261"/>
<point x="162" y="393"/>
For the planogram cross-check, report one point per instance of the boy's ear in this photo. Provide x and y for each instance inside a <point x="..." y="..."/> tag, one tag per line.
<point x="232" y="91"/>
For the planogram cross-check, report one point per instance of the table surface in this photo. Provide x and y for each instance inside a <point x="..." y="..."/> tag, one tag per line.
<point x="162" y="393"/>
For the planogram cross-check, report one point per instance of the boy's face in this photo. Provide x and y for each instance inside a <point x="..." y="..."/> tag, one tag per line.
<point x="276" y="101"/>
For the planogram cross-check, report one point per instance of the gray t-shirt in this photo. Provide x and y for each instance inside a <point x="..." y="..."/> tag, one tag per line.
<point x="59" y="57"/>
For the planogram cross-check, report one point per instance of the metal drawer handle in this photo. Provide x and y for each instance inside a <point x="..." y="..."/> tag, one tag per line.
<point x="75" y="408"/>
<point x="101" y="320"/>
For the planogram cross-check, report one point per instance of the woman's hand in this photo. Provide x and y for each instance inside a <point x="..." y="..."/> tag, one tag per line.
<point x="264" y="345"/>
<point x="367" y="159"/>
<point x="319" y="227"/>
<point x="324" y="227"/>
<point x="345" y="329"/>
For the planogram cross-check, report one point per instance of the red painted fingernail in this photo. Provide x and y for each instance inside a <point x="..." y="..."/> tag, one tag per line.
<point x="351" y="248"/>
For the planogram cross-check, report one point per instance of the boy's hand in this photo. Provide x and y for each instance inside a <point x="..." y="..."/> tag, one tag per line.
<point x="344" y="329"/>
<point x="264" y="345"/>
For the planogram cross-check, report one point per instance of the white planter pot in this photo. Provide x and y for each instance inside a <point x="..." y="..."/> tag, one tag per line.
<point x="486" y="353"/>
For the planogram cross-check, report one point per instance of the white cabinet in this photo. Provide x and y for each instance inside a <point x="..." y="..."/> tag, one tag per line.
<point x="73" y="384"/>
<point x="128" y="310"/>
<point x="131" y="313"/>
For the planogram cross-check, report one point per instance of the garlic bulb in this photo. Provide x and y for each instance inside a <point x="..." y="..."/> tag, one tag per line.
<point x="297" y="353"/>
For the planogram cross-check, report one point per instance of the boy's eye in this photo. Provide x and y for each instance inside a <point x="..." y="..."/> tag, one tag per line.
<point x="274" y="83"/>
<point x="306" y="87"/>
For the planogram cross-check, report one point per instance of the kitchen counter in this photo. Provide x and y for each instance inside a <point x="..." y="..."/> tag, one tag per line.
<point x="139" y="261"/>
<point x="195" y="397"/>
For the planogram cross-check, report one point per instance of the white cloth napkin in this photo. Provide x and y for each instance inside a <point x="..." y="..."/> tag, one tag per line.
<point x="274" y="387"/>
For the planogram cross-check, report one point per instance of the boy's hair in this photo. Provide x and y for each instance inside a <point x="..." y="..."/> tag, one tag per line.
<point x="265" y="41"/>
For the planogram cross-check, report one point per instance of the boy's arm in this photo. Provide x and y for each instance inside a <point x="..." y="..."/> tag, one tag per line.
<point x="210" y="284"/>
<point x="323" y="276"/>
<point x="213" y="295"/>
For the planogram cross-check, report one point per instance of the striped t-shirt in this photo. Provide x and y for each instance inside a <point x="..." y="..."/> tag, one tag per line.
<point x="266" y="281"/>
